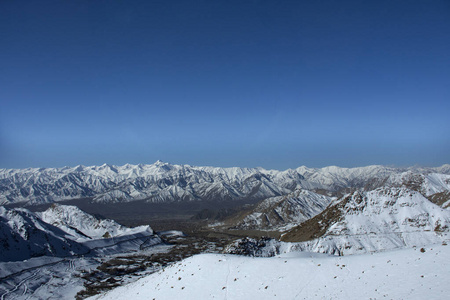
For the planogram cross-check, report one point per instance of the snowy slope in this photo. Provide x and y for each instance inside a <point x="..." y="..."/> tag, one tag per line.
<point x="434" y="186"/>
<point x="65" y="230"/>
<point x="333" y="178"/>
<point x="163" y="182"/>
<point x="84" y="226"/>
<point x="381" y="219"/>
<point x="284" y="212"/>
<point x="23" y="235"/>
<point x="401" y="274"/>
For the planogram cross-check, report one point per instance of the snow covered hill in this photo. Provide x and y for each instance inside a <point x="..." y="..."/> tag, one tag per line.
<point x="65" y="231"/>
<point x="401" y="274"/>
<point x="163" y="182"/>
<point x="23" y="235"/>
<point x="84" y="226"/>
<point x="284" y="212"/>
<point x="385" y="218"/>
<point x="434" y="186"/>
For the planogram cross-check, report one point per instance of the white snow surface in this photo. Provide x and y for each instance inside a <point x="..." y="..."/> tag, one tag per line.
<point x="425" y="183"/>
<point x="171" y="233"/>
<point x="398" y="274"/>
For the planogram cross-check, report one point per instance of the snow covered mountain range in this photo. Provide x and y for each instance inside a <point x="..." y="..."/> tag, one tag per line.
<point x="61" y="230"/>
<point x="164" y="182"/>
<point x="325" y="210"/>
<point x="331" y="210"/>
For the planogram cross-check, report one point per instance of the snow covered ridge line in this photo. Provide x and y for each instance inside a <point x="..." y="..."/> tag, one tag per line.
<point x="378" y="220"/>
<point x="24" y="235"/>
<point x="164" y="182"/>
<point x="65" y="231"/>
<point x="83" y="226"/>
<point x="284" y="212"/>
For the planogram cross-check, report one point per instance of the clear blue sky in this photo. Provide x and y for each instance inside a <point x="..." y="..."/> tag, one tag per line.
<point x="276" y="84"/>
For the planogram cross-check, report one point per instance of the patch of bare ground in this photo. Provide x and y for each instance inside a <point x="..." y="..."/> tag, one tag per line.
<point x="238" y="233"/>
<point x="440" y="199"/>
<point x="414" y="182"/>
<point x="316" y="226"/>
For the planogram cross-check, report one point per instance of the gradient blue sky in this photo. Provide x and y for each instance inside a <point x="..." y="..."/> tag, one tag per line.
<point x="276" y="84"/>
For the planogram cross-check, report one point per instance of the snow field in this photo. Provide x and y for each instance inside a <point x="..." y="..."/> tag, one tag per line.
<point x="400" y="274"/>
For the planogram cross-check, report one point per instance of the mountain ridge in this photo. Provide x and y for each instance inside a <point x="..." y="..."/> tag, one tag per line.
<point x="61" y="231"/>
<point x="163" y="182"/>
<point x="366" y="221"/>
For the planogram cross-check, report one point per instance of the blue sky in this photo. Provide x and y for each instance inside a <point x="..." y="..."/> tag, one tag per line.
<point x="276" y="84"/>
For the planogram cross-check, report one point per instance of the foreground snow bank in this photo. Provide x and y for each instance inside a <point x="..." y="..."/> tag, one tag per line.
<point x="418" y="273"/>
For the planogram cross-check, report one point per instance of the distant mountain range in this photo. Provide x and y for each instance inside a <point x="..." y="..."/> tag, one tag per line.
<point x="164" y="183"/>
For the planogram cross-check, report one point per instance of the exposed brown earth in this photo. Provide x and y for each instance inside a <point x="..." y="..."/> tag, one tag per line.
<point x="316" y="226"/>
<point x="440" y="198"/>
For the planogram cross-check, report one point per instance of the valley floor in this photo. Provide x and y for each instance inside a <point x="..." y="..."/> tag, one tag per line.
<point x="418" y="273"/>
